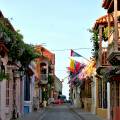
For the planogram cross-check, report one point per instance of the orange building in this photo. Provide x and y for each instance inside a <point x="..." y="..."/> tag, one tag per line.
<point x="45" y="74"/>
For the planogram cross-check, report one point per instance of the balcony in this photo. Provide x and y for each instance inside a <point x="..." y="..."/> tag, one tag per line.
<point x="102" y="60"/>
<point x="43" y="78"/>
<point x="114" y="49"/>
<point x="114" y="53"/>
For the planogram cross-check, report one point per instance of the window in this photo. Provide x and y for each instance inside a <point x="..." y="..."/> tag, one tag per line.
<point x="117" y="93"/>
<point x="27" y="88"/>
<point x="104" y="94"/>
<point x="100" y="93"/>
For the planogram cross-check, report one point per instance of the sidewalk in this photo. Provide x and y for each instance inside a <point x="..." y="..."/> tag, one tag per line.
<point x="33" y="115"/>
<point x="85" y="115"/>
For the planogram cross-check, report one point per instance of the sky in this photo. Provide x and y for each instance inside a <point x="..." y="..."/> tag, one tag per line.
<point x="59" y="25"/>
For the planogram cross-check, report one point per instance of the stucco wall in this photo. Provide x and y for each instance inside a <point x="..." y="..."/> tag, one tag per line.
<point x="102" y="113"/>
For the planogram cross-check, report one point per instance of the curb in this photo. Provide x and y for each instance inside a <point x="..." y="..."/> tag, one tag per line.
<point x="38" y="114"/>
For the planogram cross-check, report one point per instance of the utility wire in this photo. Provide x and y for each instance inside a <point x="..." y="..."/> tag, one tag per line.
<point x="72" y="49"/>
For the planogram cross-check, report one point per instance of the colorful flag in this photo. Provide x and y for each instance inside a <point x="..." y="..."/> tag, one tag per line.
<point x="77" y="66"/>
<point x="72" y="64"/>
<point x="71" y="69"/>
<point x="74" y="54"/>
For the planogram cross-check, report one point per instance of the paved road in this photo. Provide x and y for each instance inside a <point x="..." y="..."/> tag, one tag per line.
<point x="59" y="112"/>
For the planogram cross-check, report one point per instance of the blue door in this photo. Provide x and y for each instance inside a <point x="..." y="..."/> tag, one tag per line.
<point x="26" y="109"/>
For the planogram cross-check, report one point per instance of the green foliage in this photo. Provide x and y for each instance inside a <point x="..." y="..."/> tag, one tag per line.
<point x="3" y="76"/>
<point x="8" y="34"/>
<point x="44" y="95"/>
<point x="50" y="79"/>
<point x="94" y="40"/>
<point x="28" y="55"/>
<point x="105" y="34"/>
<point x="18" y="50"/>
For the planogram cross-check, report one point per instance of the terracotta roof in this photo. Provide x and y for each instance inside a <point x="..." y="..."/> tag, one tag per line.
<point x="46" y="53"/>
<point x="103" y="20"/>
<point x="107" y="3"/>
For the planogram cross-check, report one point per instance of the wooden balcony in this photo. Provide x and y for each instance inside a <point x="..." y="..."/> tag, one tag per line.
<point x="102" y="62"/>
<point x="43" y="78"/>
<point x="114" y="55"/>
<point x="114" y="50"/>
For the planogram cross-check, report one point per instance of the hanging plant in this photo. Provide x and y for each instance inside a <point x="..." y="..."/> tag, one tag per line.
<point x="105" y="34"/>
<point x="94" y="40"/>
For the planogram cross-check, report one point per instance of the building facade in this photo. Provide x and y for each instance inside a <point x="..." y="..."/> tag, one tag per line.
<point x="45" y="74"/>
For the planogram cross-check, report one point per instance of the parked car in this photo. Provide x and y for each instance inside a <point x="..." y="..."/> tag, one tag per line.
<point x="58" y="101"/>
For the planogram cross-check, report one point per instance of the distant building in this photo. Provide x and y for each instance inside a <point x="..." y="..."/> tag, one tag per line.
<point x="58" y="87"/>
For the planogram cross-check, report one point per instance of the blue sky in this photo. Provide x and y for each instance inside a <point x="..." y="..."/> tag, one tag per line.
<point x="60" y="24"/>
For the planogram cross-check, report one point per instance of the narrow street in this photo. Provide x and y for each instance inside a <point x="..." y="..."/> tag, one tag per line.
<point x="60" y="112"/>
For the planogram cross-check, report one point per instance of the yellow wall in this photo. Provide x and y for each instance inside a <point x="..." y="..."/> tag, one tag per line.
<point x="87" y="104"/>
<point x="102" y="112"/>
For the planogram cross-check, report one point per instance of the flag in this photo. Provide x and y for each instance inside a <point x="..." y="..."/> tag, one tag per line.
<point x="72" y="63"/>
<point x="77" y="66"/>
<point x="72" y="66"/>
<point x="74" y="54"/>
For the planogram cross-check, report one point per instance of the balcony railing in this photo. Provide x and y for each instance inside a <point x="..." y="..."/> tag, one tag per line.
<point x="102" y="58"/>
<point x="114" y="48"/>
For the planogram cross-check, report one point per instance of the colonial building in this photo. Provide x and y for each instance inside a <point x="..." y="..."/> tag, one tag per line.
<point x="102" y="66"/>
<point x="87" y="93"/>
<point x="10" y="104"/>
<point x="45" y="74"/>
<point x="113" y="11"/>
